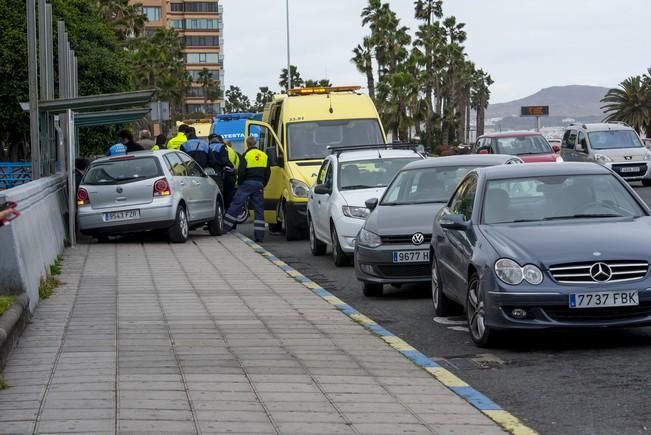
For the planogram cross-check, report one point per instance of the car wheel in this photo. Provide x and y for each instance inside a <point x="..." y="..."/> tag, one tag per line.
<point x="441" y="303"/>
<point x="481" y="335"/>
<point x="180" y="231"/>
<point x="317" y="247"/>
<point x="292" y="232"/>
<point x="216" y="226"/>
<point x="340" y="258"/>
<point x="646" y="183"/>
<point x="372" y="290"/>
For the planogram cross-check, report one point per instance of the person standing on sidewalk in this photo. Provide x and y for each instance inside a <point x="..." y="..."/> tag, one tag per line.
<point x="180" y="138"/>
<point x="254" y="173"/>
<point x="196" y="148"/>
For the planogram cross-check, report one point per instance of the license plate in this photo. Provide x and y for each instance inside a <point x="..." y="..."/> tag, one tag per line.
<point x="410" y="256"/>
<point x="125" y="215"/>
<point x="629" y="169"/>
<point x="604" y="299"/>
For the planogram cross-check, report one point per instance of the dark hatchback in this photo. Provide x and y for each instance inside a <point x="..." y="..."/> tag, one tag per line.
<point x="393" y="245"/>
<point x="543" y="246"/>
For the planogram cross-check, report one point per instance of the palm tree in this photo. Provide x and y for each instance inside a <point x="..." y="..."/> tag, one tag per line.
<point x="630" y="103"/>
<point x="480" y="95"/>
<point x="297" y="81"/>
<point x="363" y="60"/>
<point x="427" y="10"/>
<point x="126" y="20"/>
<point x="206" y="82"/>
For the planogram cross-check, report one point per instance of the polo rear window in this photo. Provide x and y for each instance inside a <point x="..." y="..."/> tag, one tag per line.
<point x="123" y="171"/>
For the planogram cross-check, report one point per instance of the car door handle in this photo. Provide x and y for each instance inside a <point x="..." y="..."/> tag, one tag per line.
<point x="182" y="183"/>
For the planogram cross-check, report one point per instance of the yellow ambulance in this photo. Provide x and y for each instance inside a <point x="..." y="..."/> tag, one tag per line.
<point x="296" y="130"/>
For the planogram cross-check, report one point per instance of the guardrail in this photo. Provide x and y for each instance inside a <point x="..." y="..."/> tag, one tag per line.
<point x="14" y="174"/>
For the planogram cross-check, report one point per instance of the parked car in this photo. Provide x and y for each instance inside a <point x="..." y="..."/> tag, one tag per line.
<point x="149" y="190"/>
<point x="542" y="246"/>
<point x="530" y="146"/>
<point x="392" y="246"/>
<point x="614" y="145"/>
<point x="347" y="178"/>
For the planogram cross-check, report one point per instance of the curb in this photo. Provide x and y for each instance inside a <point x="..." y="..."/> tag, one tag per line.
<point x="486" y="406"/>
<point x="12" y="325"/>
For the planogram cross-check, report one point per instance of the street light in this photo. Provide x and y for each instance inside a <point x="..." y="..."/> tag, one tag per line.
<point x="289" y="71"/>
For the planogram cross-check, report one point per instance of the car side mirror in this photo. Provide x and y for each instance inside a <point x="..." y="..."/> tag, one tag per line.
<point x="556" y="148"/>
<point x="578" y="147"/>
<point x="454" y="222"/>
<point x="371" y="204"/>
<point x="322" y="189"/>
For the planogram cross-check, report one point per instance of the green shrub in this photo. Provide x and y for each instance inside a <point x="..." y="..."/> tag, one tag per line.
<point x="5" y="303"/>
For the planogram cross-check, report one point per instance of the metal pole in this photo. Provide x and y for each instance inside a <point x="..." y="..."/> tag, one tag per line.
<point x="49" y="50"/>
<point x="72" y="194"/>
<point x="538" y="123"/>
<point x="32" y="66"/>
<point x="289" y="63"/>
<point x="42" y="47"/>
<point x="61" y="43"/>
<point x="75" y="82"/>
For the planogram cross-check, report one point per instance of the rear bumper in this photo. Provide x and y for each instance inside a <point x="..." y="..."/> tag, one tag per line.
<point x="152" y="217"/>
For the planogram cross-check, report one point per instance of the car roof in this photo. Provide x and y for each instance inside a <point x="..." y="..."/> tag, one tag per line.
<point x="541" y="169"/>
<point x="135" y="154"/>
<point x="461" y="160"/>
<point x="511" y="134"/>
<point x="354" y="155"/>
<point x="601" y="126"/>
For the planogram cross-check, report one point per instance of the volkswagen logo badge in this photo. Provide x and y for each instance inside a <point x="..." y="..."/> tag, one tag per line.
<point x="119" y="189"/>
<point x="601" y="272"/>
<point x="417" y="239"/>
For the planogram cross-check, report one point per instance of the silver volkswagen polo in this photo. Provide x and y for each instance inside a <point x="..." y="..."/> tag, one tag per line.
<point x="148" y="190"/>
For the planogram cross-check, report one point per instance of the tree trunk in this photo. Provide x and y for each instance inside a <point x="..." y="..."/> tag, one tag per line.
<point x="370" y="81"/>
<point x="461" y="125"/>
<point x="467" y="138"/>
<point x="480" y="119"/>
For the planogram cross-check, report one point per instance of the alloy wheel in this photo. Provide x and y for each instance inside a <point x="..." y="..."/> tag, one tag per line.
<point x="475" y="311"/>
<point x="185" y="230"/>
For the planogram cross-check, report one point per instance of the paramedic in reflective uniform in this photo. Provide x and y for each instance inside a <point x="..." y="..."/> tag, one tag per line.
<point x="254" y="173"/>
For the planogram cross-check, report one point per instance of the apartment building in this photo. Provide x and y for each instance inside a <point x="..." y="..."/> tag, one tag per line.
<point x="200" y="24"/>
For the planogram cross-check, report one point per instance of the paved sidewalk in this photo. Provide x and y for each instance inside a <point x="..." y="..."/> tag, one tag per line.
<point x="210" y="337"/>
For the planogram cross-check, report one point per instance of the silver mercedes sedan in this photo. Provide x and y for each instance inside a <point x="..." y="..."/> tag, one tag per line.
<point x="148" y="190"/>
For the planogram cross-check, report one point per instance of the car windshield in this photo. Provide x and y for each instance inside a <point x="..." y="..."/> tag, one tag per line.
<point x="365" y="174"/>
<point x="426" y="185"/>
<point x="520" y="145"/>
<point x="122" y="171"/>
<point x="613" y="139"/>
<point x="557" y="197"/>
<point x="310" y="140"/>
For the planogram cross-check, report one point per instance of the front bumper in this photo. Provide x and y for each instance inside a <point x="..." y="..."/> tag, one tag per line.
<point x="153" y="216"/>
<point x="641" y="173"/>
<point x="547" y="306"/>
<point x="375" y="265"/>
<point x="347" y="230"/>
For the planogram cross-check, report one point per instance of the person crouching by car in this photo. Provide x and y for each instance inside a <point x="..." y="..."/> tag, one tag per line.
<point x="217" y="158"/>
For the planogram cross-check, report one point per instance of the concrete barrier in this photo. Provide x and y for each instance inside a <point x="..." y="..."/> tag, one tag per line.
<point x="31" y="243"/>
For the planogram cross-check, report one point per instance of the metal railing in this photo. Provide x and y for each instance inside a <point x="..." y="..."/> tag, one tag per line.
<point x="13" y="174"/>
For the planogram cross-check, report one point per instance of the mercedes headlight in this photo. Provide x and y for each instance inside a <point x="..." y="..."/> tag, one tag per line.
<point x="368" y="239"/>
<point x="532" y="274"/>
<point x="355" y="212"/>
<point x="512" y="273"/>
<point x="299" y="188"/>
<point x="602" y="158"/>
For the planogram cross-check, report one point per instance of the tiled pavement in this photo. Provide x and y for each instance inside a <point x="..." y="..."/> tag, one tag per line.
<point x="209" y="337"/>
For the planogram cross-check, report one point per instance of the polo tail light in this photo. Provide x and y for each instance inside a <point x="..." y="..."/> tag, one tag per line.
<point x="162" y="188"/>
<point x="82" y="197"/>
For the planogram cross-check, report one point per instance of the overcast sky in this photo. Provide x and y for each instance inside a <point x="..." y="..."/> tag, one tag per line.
<point x="525" y="45"/>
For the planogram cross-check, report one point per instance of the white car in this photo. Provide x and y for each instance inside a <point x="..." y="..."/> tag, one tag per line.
<point x="336" y="205"/>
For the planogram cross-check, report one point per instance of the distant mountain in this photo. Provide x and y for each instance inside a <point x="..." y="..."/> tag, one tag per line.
<point x="574" y="101"/>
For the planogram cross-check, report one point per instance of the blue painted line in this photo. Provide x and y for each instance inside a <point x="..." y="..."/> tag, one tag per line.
<point x="286" y="268"/>
<point x="303" y="279"/>
<point x="377" y="329"/>
<point x="477" y="399"/>
<point x="418" y="358"/>
<point x="347" y="309"/>
<point x="321" y="292"/>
